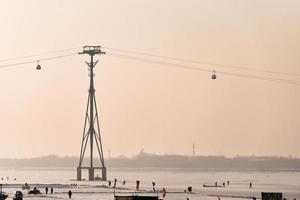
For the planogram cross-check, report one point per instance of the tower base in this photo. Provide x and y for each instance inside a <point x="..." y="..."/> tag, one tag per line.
<point x="78" y="173"/>
<point x="91" y="171"/>
<point x="104" y="173"/>
<point x="91" y="174"/>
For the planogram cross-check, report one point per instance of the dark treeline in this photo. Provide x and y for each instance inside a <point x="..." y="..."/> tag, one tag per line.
<point x="144" y="160"/>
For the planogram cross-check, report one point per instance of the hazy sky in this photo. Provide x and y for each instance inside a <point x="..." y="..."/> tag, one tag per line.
<point x="143" y="105"/>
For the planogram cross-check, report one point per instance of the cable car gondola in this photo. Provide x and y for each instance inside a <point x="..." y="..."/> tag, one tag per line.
<point x="214" y="76"/>
<point x="38" y="67"/>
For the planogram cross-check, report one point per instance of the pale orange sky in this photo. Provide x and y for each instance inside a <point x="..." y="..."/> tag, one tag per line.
<point x="160" y="109"/>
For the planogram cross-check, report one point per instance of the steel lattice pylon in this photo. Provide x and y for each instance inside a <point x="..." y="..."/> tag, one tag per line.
<point x="91" y="121"/>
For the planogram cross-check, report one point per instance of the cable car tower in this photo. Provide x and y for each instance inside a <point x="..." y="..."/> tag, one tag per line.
<point x="91" y="121"/>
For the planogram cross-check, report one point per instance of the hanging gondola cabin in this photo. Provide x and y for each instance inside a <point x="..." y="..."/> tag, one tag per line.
<point x="214" y="76"/>
<point x="38" y="67"/>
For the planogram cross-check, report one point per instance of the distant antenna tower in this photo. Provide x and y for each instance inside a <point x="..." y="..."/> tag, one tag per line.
<point x="91" y="120"/>
<point x="193" y="150"/>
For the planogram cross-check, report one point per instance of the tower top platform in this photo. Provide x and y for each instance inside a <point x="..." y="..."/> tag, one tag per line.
<point x="92" y="50"/>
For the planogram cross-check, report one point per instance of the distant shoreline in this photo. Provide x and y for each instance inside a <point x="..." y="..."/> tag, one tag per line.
<point x="145" y="161"/>
<point x="129" y="169"/>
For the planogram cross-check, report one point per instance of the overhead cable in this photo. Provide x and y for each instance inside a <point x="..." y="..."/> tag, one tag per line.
<point x="37" y="55"/>
<point x="34" y="61"/>
<point x="123" y="56"/>
<point x="203" y="62"/>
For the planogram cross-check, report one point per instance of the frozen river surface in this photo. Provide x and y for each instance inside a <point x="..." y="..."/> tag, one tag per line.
<point x="175" y="182"/>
